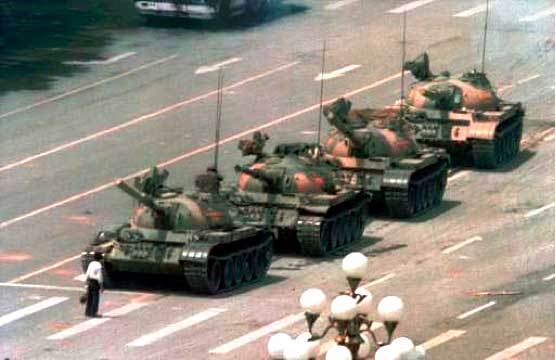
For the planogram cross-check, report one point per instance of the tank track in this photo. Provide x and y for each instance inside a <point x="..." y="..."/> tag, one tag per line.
<point x="318" y="236"/>
<point x="425" y="190"/>
<point x="489" y="154"/>
<point x="244" y="265"/>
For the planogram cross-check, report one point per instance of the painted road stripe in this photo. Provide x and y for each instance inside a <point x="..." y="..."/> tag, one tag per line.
<point x="337" y="73"/>
<point x="144" y="117"/>
<point x="476" y="310"/>
<point x="451" y="249"/>
<point x="473" y="11"/>
<point x="66" y="288"/>
<point x="91" y="323"/>
<point x="87" y="87"/>
<point x="529" y="78"/>
<point x="338" y="4"/>
<point x="539" y="210"/>
<point x="517" y="348"/>
<point x="112" y="60"/>
<point x="181" y="325"/>
<point x="442" y="338"/>
<point x="379" y="280"/>
<point x="45" y="269"/>
<point x="458" y="175"/>
<point x="215" y="67"/>
<point x="548" y="278"/>
<point x="410" y="6"/>
<point x="198" y="151"/>
<point x="26" y="311"/>
<point x="257" y="334"/>
<point x="537" y="16"/>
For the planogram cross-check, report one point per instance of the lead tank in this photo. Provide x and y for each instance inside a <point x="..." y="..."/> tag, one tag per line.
<point x="191" y="235"/>
<point x="375" y="151"/>
<point x="464" y="115"/>
<point x="298" y="197"/>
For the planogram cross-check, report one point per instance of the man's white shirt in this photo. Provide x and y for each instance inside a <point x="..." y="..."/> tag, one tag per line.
<point x="94" y="271"/>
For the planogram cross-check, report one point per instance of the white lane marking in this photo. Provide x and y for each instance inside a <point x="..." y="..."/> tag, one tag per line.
<point x="453" y="248"/>
<point x="458" y="175"/>
<point x="87" y="87"/>
<point x="44" y="269"/>
<point x="337" y="73"/>
<point x="143" y="118"/>
<point x="26" y="311"/>
<point x="548" y="278"/>
<point x="473" y="11"/>
<point x="81" y="277"/>
<point x="517" y="348"/>
<point x="91" y="323"/>
<point x="216" y="67"/>
<point x="379" y="280"/>
<point x="198" y="151"/>
<point x="539" y="210"/>
<point x="537" y="16"/>
<point x="410" y="6"/>
<point x="529" y="78"/>
<point x="170" y="329"/>
<point x="257" y="334"/>
<point x="64" y="288"/>
<point x="476" y="310"/>
<point x="308" y="132"/>
<point x="442" y="338"/>
<point x="338" y="4"/>
<point x="549" y="138"/>
<point x="108" y="61"/>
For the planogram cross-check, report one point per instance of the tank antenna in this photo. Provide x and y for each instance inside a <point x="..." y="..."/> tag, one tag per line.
<point x="402" y="83"/>
<point x="485" y="38"/>
<point x="218" y="117"/>
<point x="321" y="91"/>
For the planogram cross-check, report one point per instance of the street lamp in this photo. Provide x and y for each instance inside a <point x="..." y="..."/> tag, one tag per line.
<point x="350" y="318"/>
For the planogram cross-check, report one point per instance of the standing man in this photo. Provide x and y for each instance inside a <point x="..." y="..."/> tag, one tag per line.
<point x="94" y="285"/>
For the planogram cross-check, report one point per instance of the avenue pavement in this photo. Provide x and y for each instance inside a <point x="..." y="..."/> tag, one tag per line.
<point x="43" y="225"/>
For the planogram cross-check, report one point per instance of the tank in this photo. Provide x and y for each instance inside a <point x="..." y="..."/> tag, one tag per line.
<point x="375" y="151"/>
<point x="464" y="115"/>
<point x="298" y="197"/>
<point x="195" y="235"/>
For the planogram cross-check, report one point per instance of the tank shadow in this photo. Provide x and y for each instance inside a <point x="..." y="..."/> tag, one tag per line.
<point x="278" y="11"/>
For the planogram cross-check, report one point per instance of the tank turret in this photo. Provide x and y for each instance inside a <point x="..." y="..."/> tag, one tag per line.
<point x="463" y="114"/>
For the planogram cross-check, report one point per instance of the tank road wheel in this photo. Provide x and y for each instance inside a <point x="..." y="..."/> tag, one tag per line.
<point x="486" y="153"/>
<point x="238" y="260"/>
<point x="214" y="276"/>
<point x="227" y="273"/>
<point x="249" y="265"/>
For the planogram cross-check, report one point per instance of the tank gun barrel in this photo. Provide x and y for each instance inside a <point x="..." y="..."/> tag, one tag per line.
<point x="258" y="174"/>
<point x="345" y="129"/>
<point x="141" y="197"/>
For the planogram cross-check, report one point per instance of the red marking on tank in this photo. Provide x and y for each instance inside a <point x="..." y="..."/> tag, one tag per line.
<point x="14" y="257"/>
<point x="243" y="179"/>
<point x="215" y="215"/>
<point x="319" y="181"/>
<point x="341" y="148"/>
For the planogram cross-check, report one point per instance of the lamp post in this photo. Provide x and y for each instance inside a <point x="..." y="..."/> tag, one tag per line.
<point x="350" y="319"/>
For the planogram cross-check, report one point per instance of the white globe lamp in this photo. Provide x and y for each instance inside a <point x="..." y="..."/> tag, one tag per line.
<point x="343" y="307"/>
<point x="364" y="306"/>
<point x="338" y="352"/>
<point x="277" y="344"/>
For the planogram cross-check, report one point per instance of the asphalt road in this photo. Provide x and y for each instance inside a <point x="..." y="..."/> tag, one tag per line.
<point x="149" y="99"/>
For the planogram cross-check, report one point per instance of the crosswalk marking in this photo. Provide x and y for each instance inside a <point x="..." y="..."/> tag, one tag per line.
<point x="537" y="16"/>
<point x="476" y="310"/>
<point x="410" y="6"/>
<point x="175" y="327"/>
<point x="473" y="11"/>
<point x="254" y="335"/>
<point x="21" y="313"/>
<point x="442" y="338"/>
<point x="517" y="348"/>
<point x="91" y="323"/>
<point x="453" y="248"/>
<point x="539" y="210"/>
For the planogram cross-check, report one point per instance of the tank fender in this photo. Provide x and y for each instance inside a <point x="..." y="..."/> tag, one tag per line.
<point x="196" y="252"/>
<point x="482" y="130"/>
<point x="396" y="178"/>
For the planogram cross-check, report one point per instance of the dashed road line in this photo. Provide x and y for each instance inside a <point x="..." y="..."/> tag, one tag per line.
<point x="65" y="288"/>
<point x="216" y="67"/>
<point x="517" y="348"/>
<point x="549" y="277"/>
<point x="112" y="60"/>
<point x="337" y="73"/>
<point x="537" y="16"/>
<point x="476" y="310"/>
<point x="453" y="248"/>
<point x="144" y="118"/>
<point x="379" y="280"/>
<point x="92" y="323"/>
<point x="339" y="4"/>
<point x="442" y="338"/>
<point x="29" y="310"/>
<point x="87" y="87"/>
<point x="527" y="79"/>
<point x="410" y="6"/>
<point x="257" y="334"/>
<point x="539" y="210"/>
<point x="178" y="326"/>
<point x="45" y="269"/>
<point x="470" y="12"/>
